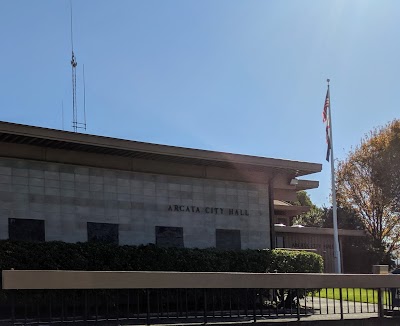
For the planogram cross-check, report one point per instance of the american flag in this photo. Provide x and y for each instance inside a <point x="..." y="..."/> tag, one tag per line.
<point x="327" y="122"/>
<point x="326" y="106"/>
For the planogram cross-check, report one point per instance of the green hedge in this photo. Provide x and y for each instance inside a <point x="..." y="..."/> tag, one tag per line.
<point x="103" y="257"/>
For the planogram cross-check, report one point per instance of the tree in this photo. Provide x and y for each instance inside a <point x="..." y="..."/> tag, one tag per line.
<point x="347" y="219"/>
<point x="323" y="217"/>
<point x="364" y="186"/>
<point x="303" y="199"/>
<point x="314" y="217"/>
<point x="388" y="163"/>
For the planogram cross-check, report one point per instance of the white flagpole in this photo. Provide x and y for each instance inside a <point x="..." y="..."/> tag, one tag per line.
<point x="336" y="248"/>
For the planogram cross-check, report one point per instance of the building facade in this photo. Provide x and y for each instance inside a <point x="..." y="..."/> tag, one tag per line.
<point x="320" y="240"/>
<point x="57" y="185"/>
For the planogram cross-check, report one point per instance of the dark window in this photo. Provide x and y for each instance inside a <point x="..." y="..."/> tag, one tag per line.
<point x="280" y="241"/>
<point x="102" y="232"/>
<point x="20" y="229"/>
<point x="228" y="239"/>
<point x="167" y="236"/>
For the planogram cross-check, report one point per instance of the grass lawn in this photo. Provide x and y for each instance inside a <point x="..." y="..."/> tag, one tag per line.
<point x="358" y="295"/>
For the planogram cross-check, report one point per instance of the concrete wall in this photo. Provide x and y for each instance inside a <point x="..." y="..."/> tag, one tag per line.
<point x="68" y="196"/>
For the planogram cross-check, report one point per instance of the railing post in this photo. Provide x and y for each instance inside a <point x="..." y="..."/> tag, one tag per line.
<point x="50" y="310"/>
<point x="380" y="269"/>
<point x="97" y="308"/>
<point x="246" y="307"/>
<point x="62" y="308"/>
<point x="298" y="304"/>
<point x="341" y="303"/>
<point x="86" y="307"/>
<point x="148" y="307"/>
<point x="254" y="305"/>
<point x="380" y="304"/>
<point x="205" y="306"/>
<point x="12" y="306"/>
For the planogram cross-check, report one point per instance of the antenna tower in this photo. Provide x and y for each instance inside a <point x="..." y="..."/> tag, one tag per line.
<point x="75" y="123"/>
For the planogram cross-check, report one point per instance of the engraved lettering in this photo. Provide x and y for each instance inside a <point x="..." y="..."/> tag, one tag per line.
<point x="208" y="210"/>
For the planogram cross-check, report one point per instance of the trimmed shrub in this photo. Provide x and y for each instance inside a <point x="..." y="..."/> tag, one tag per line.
<point x="105" y="257"/>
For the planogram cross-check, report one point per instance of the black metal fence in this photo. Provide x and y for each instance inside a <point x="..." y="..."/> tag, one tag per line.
<point x="145" y="298"/>
<point x="163" y="306"/>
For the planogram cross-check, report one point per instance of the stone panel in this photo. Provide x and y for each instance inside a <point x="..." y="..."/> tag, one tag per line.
<point x="80" y="194"/>
<point x="4" y="170"/>
<point x="5" y="179"/>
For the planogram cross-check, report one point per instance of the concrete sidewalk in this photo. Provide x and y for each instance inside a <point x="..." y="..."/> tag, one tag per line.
<point x="324" y="306"/>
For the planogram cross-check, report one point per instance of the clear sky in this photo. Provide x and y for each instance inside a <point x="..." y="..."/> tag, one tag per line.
<point x="244" y="77"/>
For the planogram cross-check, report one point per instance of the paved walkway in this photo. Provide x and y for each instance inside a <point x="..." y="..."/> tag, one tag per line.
<point x="323" y="306"/>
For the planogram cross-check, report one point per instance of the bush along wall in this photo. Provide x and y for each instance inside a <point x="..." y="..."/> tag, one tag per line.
<point x="104" y="257"/>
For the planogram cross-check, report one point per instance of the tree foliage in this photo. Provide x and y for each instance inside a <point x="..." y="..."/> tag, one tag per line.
<point x="347" y="219"/>
<point x="366" y="187"/>
<point x="314" y="217"/>
<point x="303" y="199"/>
<point x="386" y="166"/>
<point x="323" y="217"/>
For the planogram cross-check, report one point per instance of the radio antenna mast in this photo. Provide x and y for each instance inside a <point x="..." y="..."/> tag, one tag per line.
<point x="75" y="123"/>
<point x="84" y="98"/>
<point x="73" y="66"/>
<point x="62" y="114"/>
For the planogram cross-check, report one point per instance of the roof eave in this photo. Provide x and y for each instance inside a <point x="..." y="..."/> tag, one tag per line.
<point x="30" y="133"/>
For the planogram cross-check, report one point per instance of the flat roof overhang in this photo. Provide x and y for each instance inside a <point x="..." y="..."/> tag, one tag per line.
<point x="286" y="209"/>
<point x="57" y="139"/>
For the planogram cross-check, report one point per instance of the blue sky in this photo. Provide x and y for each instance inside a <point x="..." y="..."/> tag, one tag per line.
<point x="237" y="76"/>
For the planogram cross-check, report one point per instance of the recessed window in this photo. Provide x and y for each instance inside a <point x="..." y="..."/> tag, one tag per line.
<point x="167" y="236"/>
<point x="103" y="232"/>
<point x="228" y="239"/>
<point x="20" y="229"/>
<point x="280" y="241"/>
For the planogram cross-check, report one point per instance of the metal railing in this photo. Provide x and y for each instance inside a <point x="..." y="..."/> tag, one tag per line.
<point x="61" y="297"/>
